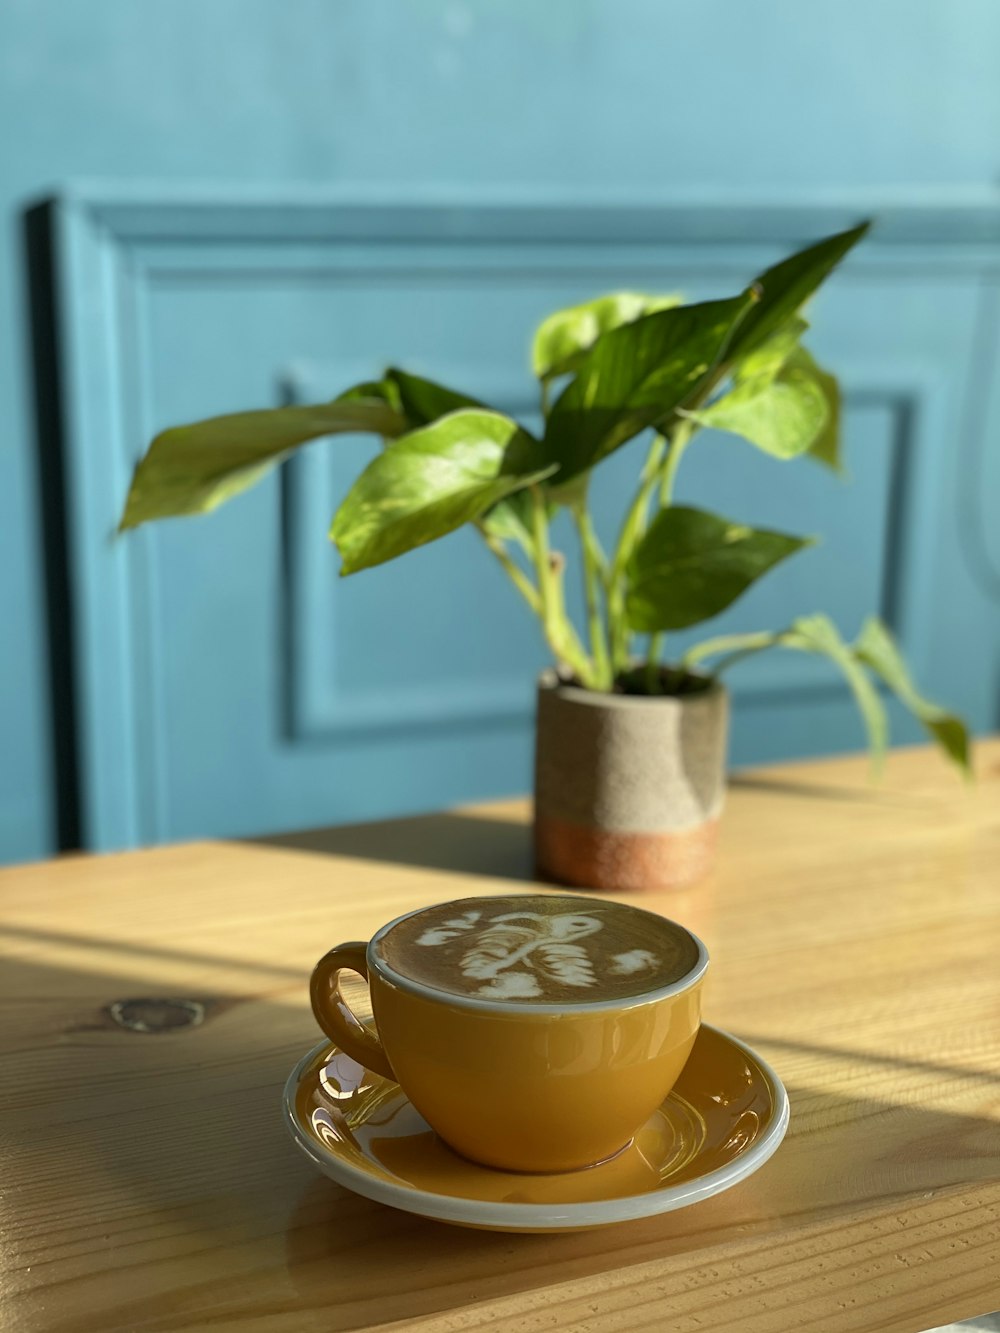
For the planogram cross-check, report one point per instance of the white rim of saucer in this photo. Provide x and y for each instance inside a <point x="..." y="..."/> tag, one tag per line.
<point x="543" y="1216"/>
<point x="439" y="995"/>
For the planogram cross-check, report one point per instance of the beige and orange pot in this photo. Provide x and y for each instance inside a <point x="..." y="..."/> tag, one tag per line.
<point x="628" y="789"/>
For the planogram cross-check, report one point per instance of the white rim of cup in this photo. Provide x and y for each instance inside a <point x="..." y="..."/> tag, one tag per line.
<point x="438" y="995"/>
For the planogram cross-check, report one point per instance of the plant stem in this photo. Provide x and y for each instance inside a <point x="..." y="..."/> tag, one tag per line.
<point x="734" y="646"/>
<point x="565" y="644"/>
<point x="517" y="575"/>
<point x="558" y="629"/>
<point x="559" y="633"/>
<point x="594" y="573"/>
<point x="679" y="440"/>
<point x="631" y="530"/>
<point x="540" y="534"/>
<point x="635" y="519"/>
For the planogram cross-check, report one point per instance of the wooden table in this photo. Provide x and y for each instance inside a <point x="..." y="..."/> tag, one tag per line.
<point x="147" y="1181"/>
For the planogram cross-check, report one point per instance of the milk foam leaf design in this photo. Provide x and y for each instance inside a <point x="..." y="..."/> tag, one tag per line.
<point x="511" y="986"/>
<point x="567" y="963"/>
<point x="450" y="929"/>
<point x="487" y="959"/>
<point x="636" y="960"/>
<point x="571" y="925"/>
<point x="437" y="935"/>
<point x="513" y="938"/>
<point x="498" y="947"/>
<point x="464" y="922"/>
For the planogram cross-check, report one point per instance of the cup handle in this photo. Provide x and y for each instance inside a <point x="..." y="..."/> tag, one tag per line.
<point x="334" y="1014"/>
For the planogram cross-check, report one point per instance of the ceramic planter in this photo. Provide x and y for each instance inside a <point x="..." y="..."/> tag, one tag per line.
<point x="628" y="790"/>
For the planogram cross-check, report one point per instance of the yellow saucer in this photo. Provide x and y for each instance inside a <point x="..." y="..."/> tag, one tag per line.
<point x="725" y="1117"/>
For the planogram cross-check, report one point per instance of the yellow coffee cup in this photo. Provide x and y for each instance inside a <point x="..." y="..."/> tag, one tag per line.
<point x="533" y="1033"/>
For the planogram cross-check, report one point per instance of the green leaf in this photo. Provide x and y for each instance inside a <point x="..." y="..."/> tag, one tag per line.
<point x="771" y="355"/>
<point x="818" y="634"/>
<point x="193" y="469"/>
<point x="782" y="401"/>
<point x="825" y="447"/>
<point x="373" y="390"/>
<point x="690" y="565"/>
<point x="787" y="285"/>
<point x="876" y="647"/>
<point x="782" y="415"/>
<point x="561" y="339"/>
<point x="424" y="401"/>
<point x="572" y="494"/>
<point x="510" y="521"/>
<point x="430" y="482"/>
<point x="636" y="376"/>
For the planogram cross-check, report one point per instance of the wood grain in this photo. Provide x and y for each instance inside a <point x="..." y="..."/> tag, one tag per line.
<point x="148" y="1184"/>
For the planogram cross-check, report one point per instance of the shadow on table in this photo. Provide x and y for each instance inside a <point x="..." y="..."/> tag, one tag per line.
<point x="348" y="1246"/>
<point x="481" y="844"/>
<point x="806" y="789"/>
<point x="987" y="1076"/>
<point x="468" y="844"/>
<point x="170" y="1148"/>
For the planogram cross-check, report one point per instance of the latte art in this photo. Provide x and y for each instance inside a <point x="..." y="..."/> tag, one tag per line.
<point x="541" y="949"/>
<point x="517" y="952"/>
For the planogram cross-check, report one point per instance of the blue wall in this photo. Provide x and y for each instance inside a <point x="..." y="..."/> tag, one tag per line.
<point x="589" y="95"/>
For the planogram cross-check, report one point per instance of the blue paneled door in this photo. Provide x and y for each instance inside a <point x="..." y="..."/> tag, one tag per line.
<point x="230" y="683"/>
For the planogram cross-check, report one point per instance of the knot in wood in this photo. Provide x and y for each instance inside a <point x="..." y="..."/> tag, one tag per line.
<point x="151" y="1016"/>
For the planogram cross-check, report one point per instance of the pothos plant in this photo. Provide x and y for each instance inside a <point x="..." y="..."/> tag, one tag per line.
<point x="608" y="370"/>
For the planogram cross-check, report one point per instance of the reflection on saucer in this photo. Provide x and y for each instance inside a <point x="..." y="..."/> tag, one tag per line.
<point x="341" y="1076"/>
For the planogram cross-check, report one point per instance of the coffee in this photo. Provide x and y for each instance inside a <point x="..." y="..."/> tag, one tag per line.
<point x="532" y="1033"/>
<point x="537" y="950"/>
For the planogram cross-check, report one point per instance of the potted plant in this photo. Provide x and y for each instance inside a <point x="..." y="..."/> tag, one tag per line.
<point x="630" y="760"/>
